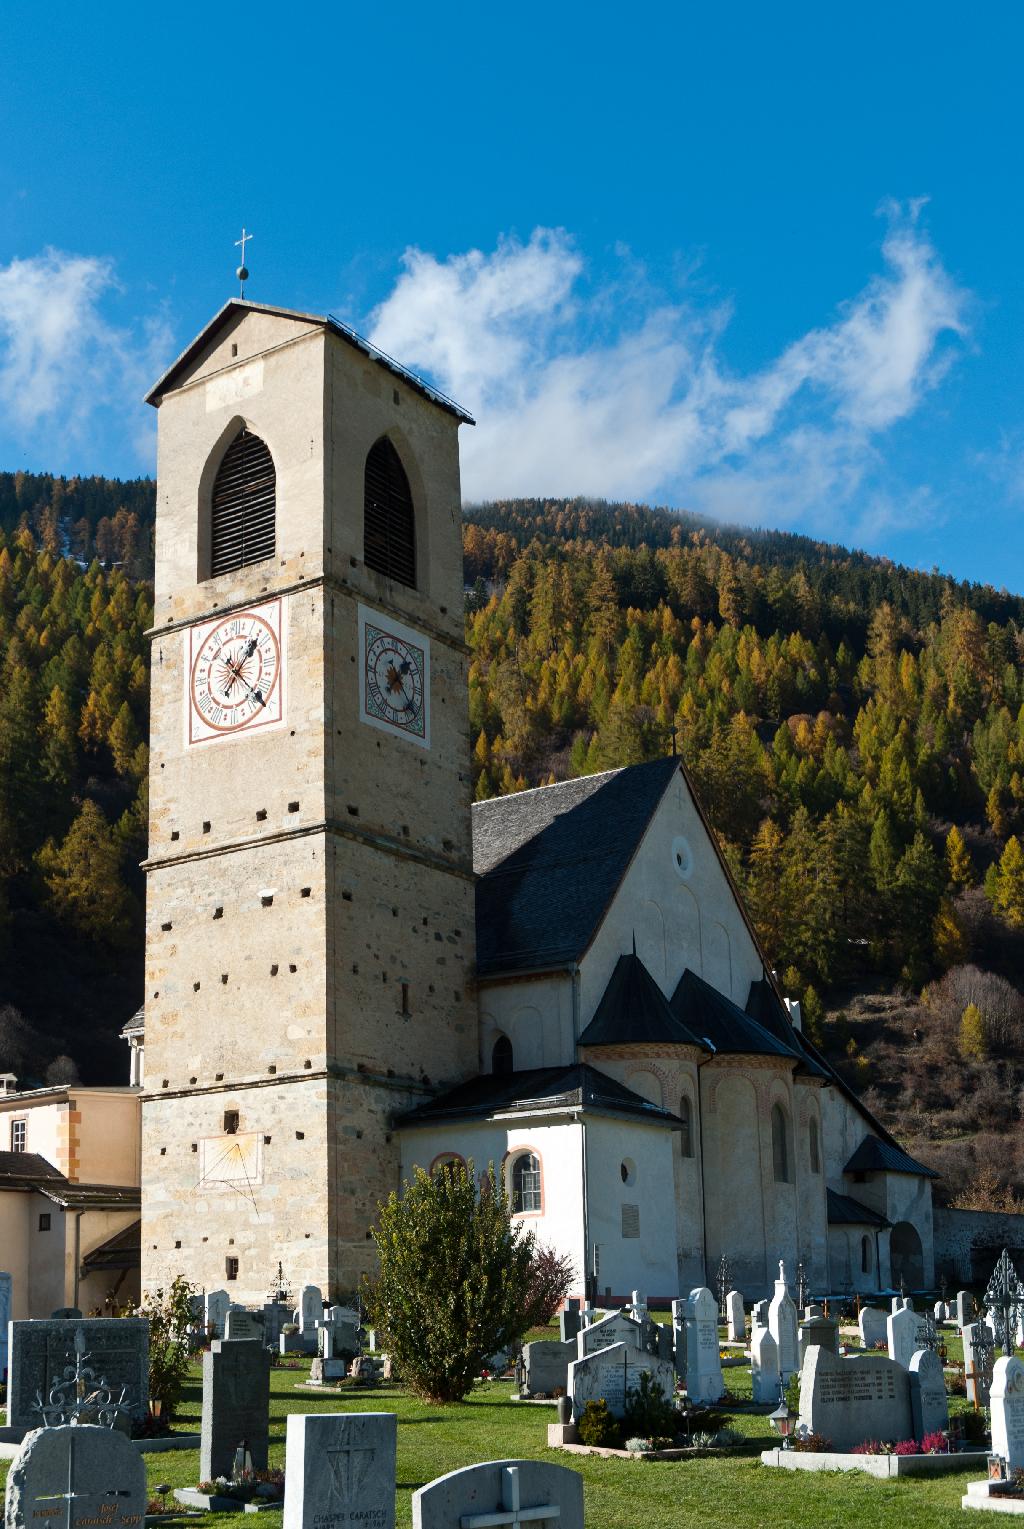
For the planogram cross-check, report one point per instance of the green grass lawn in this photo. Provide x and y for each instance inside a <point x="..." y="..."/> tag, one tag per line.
<point x="734" y="1492"/>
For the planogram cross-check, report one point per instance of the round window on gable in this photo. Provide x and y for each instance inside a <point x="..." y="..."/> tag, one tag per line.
<point x="682" y="857"/>
<point x="627" y="1170"/>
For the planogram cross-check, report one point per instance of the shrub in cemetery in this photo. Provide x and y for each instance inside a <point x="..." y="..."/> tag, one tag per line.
<point x="169" y="1313"/>
<point x="648" y="1412"/>
<point x="551" y="1276"/>
<point x="598" y="1428"/>
<point x="454" y="1282"/>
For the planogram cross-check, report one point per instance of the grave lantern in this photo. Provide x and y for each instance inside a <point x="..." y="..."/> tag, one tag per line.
<point x="782" y="1421"/>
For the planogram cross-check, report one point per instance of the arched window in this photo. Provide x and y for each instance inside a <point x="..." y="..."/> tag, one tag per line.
<point x="447" y="1162"/>
<point x="686" y="1134"/>
<point x="502" y="1059"/>
<point x="525" y="1183"/>
<point x="865" y="1255"/>
<point x="812" y="1147"/>
<point x="243" y="508"/>
<point x="389" y="525"/>
<point x="780" y="1144"/>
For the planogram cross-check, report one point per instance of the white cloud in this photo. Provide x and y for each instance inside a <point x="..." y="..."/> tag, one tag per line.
<point x="612" y="392"/>
<point x="62" y="359"/>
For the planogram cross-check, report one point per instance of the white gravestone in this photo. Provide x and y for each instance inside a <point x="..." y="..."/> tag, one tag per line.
<point x="679" y="1337"/>
<point x="611" y="1374"/>
<point x="782" y="1324"/>
<point x="928" y="1405"/>
<point x="311" y="1307"/>
<point x="215" y="1310"/>
<point x="764" y="1367"/>
<point x="546" y="1366"/>
<point x="501" y="1494"/>
<point x="902" y="1334"/>
<point x="639" y="1305"/>
<point x="939" y="1311"/>
<point x="340" y="1470"/>
<point x="977" y="1363"/>
<point x="617" y="1328"/>
<point x="736" y="1325"/>
<point x="759" y="1315"/>
<point x="964" y="1308"/>
<point x="703" y="1361"/>
<point x="850" y="1400"/>
<point x="1007" y="1405"/>
<point x="873" y="1327"/>
<point x="76" y="1475"/>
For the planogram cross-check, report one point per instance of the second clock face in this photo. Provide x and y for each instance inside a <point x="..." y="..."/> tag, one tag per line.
<point x="235" y="677"/>
<point x="394" y="677"/>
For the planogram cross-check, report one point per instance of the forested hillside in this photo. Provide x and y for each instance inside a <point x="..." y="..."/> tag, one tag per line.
<point x="854" y="729"/>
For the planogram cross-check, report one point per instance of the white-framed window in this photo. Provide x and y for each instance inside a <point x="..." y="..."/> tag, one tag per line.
<point x="19" y="1135"/>
<point x="525" y="1185"/>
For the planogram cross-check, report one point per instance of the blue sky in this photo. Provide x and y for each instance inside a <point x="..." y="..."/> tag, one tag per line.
<point x="759" y="261"/>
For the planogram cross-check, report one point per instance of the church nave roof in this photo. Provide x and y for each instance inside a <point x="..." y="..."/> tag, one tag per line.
<point x="538" y="1090"/>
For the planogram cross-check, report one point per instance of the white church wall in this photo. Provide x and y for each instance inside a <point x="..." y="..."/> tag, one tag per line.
<point x="630" y="1179"/>
<point x="676" y="901"/>
<point x="536" y="1015"/>
<point x="734" y="1177"/>
<point x="809" y="1164"/>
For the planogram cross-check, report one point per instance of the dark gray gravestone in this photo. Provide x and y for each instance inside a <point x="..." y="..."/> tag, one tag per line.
<point x="76" y="1477"/>
<point x="242" y="1324"/>
<point x="236" y="1405"/>
<point x="569" y="1321"/>
<point x="117" y="1350"/>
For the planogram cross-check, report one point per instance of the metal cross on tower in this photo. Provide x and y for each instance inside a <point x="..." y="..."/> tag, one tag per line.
<point x="242" y="273"/>
<point x="510" y="1515"/>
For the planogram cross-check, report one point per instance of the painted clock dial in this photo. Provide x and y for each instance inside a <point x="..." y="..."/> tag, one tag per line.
<point x="235" y="673"/>
<point x="394" y="673"/>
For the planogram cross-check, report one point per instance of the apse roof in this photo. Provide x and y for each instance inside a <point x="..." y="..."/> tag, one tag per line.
<point x="536" y="1090"/>
<point x="550" y="861"/>
<point x="634" y="1011"/>
<point x="715" y="1019"/>
<point x="876" y="1156"/>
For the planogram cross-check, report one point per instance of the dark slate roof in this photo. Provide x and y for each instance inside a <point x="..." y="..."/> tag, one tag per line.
<point x="876" y="1156"/>
<point x="122" y="1251"/>
<point x="844" y="1211"/>
<point x="25" y="1170"/>
<point x="538" y="1089"/>
<point x="712" y="1017"/>
<point x="634" y="1011"/>
<point x="766" y="1007"/>
<point x="322" y="321"/>
<point x="550" y="861"/>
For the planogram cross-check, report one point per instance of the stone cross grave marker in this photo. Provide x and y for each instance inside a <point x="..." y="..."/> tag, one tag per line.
<point x="703" y="1361"/>
<point x="902" y="1333"/>
<point x="502" y="1494"/>
<point x="74" y="1477"/>
<point x="340" y="1470"/>
<point x="782" y="1324"/>
<point x="735" y="1324"/>
<point x="242" y="1324"/>
<point x="1008" y="1412"/>
<point x="928" y="1405"/>
<point x="117" y="1349"/>
<point x="978" y="1359"/>
<point x="764" y="1367"/>
<point x="215" y="1309"/>
<point x="850" y="1400"/>
<point x="236" y="1406"/>
<point x="873" y="1328"/>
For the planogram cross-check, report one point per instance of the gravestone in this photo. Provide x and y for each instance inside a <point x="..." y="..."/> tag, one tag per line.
<point x="311" y="1307"/>
<point x="812" y="1311"/>
<point x="929" y="1407"/>
<point x="569" y="1322"/>
<point x="215" y="1310"/>
<point x="638" y="1305"/>
<point x="850" y="1400"/>
<point x="735" y="1323"/>
<point x="679" y="1337"/>
<point x="782" y="1325"/>
<point x="546" y="1366"/>
<point x="616" y="1328"/>
<point x="242" y="1324"/>
<point x="902" y="1336"/>
<point x="821" y="1331"/>
<point x="117" y="1349"/>
<point x="5" y="1317"/>
<point x="978" y="1362"/>
<point x="939" y="1311"/>
<point x="759" y="1315"/>
<point x="764" y="1367"/>
<point x="964" y="1308"/>
<point x="76" y="1475"/>
<point x="275" y="1315"/>
<point x="873" y="1326"/>
<point x="610" y="1373"/>
<point x="703" y="1361"/>
<point x="1007" y="1405"/>
<point x="236" y="1406"/>
<point x="66" y="1314"/>
<point x="504" y="1494"/>
<point x="342" y="1337"/>
<point x="340" y="1470"/>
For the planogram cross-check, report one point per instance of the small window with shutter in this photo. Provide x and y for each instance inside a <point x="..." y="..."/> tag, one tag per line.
<point x="389" y="524"/>
<point x="243" y="510"/>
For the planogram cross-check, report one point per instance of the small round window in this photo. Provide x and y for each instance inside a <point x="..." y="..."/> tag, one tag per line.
<point x="627" y="1170"/>
<point x="682" y="858"/>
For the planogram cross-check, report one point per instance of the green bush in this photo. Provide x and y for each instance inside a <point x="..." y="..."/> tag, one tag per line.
<point x="648" y="1412"/>
<point x="169" y="1313"/>
<point x="597" y="1427"/>
<point x="454" y="1283"/>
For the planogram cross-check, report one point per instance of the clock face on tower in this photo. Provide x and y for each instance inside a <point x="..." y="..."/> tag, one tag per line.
<point x="394" y="677"/>
<point x="235" y="674"/>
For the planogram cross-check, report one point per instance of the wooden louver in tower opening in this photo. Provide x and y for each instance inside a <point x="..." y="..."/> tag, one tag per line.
<point x="389" y="525"/>
<point x="242" y="525"/>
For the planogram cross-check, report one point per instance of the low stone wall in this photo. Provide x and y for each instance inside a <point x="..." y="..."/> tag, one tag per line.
<point x="968" y="1242"/>
<point x="884" y="1466"/>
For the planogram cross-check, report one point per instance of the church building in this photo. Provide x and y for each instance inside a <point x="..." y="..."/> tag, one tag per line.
<point x="351" y="971"/>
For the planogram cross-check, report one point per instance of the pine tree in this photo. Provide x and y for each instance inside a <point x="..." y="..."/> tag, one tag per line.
<point x="1008" y="884"/>
<point x="960" y="870"/>
<point x="83" y="879"/>
<point x="973" y="1042"/>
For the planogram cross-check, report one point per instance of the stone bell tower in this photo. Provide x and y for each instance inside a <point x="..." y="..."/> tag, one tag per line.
<point x="309" y="928"/>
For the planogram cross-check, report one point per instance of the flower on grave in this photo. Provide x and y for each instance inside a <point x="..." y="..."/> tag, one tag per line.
<point x="870" y="1447"/>
<point x="907" y="1447"/>
<point x="636" y="1446"/>
<point x="936" y="1443"/>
